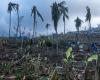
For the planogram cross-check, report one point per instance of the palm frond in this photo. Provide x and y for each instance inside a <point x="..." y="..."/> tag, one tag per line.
<point x="33" y="11"/>
<point x="56" y="14"/>
<point x="62" y="3"/>
<point x="17" y="7"/>
<point x="66" y="9"/>
<point x="88" y="15"/>
<point x="39" y="15"/>
<point x="9" y="7"/>
<point x="14" y="6"/>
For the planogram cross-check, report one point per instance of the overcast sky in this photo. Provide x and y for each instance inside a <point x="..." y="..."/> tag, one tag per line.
<point x="76" y="8"/>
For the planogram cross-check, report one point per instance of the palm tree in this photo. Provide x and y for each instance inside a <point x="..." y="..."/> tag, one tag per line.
<point x="88" y="16"/>
<point x="35" y="13"/>
<point x="64" y="11"/>
<point x="47" y="27"/>
<point x="9" y="11"/>
<point x="56" y="15"/>
<point x="64" y="19"/>
<point x="11" y="6"/>
<point x="58" y="10"/>
<point x="78" y="24"/>
<point x="17" y="10"/>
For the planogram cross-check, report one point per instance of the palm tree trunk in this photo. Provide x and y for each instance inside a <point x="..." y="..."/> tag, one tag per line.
<point x="20" y="32"/>
<point x="52" y="40"/>
<point x="17" y="24"/>
<point x="33" y="30"/>
<point x="20" y="35"/>
<point x="21" y="42"/>
<point x="64" y="28"/>
<point x="77" y="37"/>
<point x="9" y="24"/>
<point x="47" y="38"/>
<point x="90" y="30"/>
<point x="47" y="33"/>
<point x="33" y="33"/>
<point x="89" y="25"/>
<point x="57" y="41"/>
